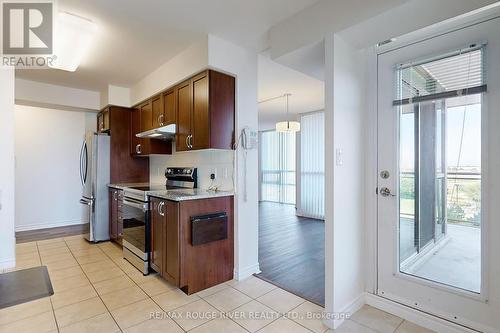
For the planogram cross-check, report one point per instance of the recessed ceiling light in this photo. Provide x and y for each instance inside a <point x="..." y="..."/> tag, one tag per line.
<point x="73" y="37"/>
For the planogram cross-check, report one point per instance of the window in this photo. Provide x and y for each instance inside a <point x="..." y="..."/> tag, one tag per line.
<point x="277" y="164"/>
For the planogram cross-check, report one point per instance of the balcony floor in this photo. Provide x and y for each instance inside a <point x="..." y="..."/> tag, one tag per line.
<point x="454" y="261"/>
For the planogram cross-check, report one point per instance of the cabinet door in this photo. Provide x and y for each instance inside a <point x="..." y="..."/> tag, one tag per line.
<point x="146" y="116"/>
<point x="100" y="122"/>
<point x="169" y="110"/>
<point x="157" y="113"/>
<point x="157" y="235"/>
<point x="119" y="213"/>
<point x="200" y="130"/>
<point x="135" y="142"/>
<point x="113" y="216"/>
<point x="105" y="115"/>
<point x="184" y="108"/>
<point x="171" y="264"/>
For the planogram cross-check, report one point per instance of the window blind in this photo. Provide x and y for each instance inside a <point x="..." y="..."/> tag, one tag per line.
<point x="454" y="74"/>
<point x="277" y="161"/>
<point x="312" y="166"/>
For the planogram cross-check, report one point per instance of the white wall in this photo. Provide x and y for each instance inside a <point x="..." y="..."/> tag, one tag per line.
<point x="183" y="65"/>
<point x="54" y="96"/>
<point x="47" y="148"/>
<point x="119" y="96"/>
<point x="220" y="162"/>
<point x="7" y="235"/>
<point x="242" y="63"/>
<point x="344" y="220"/>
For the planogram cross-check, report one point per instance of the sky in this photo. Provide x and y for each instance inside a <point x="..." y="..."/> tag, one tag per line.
<point x="471" y="149"/>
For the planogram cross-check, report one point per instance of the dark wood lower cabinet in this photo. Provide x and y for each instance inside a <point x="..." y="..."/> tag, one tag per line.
<point x="115" y="215"/>
<point x="190" y="267"/>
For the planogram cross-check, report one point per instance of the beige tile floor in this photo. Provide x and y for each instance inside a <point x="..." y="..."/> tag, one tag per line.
<point x="95" y="290"/>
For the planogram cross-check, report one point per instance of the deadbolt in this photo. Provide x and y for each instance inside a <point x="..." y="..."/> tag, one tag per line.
<point x="385" y="174"/>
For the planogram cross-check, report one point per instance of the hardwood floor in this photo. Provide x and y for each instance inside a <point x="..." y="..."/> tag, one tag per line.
<point x="292" y="251"/>
<point x="49" y="233"/>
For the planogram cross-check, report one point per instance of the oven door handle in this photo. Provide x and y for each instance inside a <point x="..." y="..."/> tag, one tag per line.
<point x="139" y="205"/>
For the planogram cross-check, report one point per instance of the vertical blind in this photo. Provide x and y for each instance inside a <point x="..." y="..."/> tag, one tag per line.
<point x="312" y="166"/>
<point x="277" y="174"/>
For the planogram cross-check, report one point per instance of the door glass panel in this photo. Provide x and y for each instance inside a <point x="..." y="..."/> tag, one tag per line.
<point x="440" y="170"/>
<point x="440" y="191"/>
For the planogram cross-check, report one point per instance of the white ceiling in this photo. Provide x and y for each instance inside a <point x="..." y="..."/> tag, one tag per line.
<point x="275" y="79"/>
<point x="136" y="37"/>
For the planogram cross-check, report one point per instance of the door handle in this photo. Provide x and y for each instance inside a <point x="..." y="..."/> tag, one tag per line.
<point x="85" y="202"/>
<point x="385" y="192"/>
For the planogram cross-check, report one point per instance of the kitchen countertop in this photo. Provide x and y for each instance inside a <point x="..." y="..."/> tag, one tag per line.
<point x="189" y="194"/>
<point x="121" y="186"/>
<point x="177" y="194"/>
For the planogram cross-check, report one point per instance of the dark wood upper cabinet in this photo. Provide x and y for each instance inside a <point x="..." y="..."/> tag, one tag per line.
<point x="146" y="116"/>
<point x="202" y="108"/>
<point x="103" y="123"/>
<point x="136" y="144"/>
<point x="200" y="127"/>
<point x="117" y="123"/>
<point x="157" y="111"/>
<point x="184" y="115"/>
<point x="169" y="109"/>
<point x="206" y="114"/>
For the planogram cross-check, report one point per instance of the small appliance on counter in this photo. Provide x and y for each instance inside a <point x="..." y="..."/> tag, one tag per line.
<point x="137" y="215"/>
<point x="94" y="176"/>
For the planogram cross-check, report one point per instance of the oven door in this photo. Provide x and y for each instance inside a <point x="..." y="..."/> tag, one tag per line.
<point x="136" y="227"/>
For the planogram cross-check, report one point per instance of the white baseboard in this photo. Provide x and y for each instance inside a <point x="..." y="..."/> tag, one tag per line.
<point x="345" y="313"/>
<point x="243" y="273"/>
<point x="36" y="226"/>
<point x="7" y="264"/>
<point x="421" y="318"/>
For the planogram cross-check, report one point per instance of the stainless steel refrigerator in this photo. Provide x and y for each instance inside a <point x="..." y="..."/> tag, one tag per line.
<point x="94" y="176"/>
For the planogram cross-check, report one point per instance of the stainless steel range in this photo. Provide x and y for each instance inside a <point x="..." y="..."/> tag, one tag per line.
<point x="136" y="214"/>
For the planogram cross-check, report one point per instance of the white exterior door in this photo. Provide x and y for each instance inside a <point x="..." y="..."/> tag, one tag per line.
<point x="438" y="176"/>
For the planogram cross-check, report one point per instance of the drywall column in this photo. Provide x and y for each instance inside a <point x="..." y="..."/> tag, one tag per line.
<point x="242" y="63"/>
<point x="344" y="159"/>
<point x="7" y="221"/>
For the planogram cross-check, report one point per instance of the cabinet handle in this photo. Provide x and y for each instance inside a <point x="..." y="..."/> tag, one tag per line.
<point x="160" y="206"/>
<point x="138" y="148"/>
<point x="160" y="119"/>
<point x="187" y="141"/>
<point x="190" y="142"/>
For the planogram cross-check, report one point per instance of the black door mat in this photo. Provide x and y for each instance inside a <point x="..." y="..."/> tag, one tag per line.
<point x="25" y="285"/>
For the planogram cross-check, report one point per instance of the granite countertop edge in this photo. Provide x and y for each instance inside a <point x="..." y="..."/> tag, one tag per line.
<point x="197" y="195"/>
<point x="177" y="195"/>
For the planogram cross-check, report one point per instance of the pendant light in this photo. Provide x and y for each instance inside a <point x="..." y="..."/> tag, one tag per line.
<point x="287" y="126"/>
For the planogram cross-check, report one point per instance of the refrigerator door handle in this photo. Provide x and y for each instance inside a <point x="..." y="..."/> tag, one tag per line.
<point x="86" y="162"/>
<point x="85" y="202"/>
<point x="81" y="163"/>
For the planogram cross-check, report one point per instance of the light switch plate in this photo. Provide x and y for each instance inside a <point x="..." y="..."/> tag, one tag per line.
<point x="339" y="157"/>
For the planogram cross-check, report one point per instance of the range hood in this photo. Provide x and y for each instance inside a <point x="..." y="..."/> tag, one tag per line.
<point x="164" y="132"/>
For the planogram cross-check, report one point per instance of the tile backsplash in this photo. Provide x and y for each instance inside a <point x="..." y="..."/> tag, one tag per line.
<point x="220" y="162"/>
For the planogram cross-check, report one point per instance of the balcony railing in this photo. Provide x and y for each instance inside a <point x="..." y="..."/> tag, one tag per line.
<point x="463" y="197"/>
